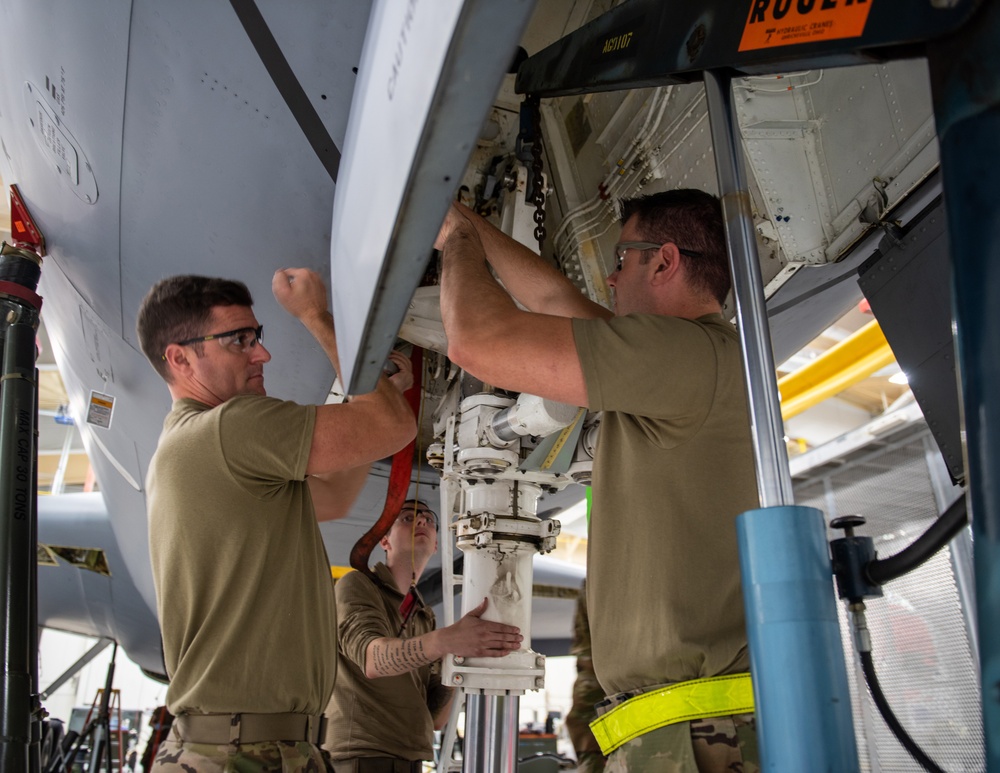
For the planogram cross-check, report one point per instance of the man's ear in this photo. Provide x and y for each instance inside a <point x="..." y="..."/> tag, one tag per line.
<point x="666" y="263"/>
<point x="177" y="359"/>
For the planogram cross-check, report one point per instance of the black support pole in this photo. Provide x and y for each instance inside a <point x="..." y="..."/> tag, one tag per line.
<point x="20" y="713"/>
<point x="34" y="632"/>
<point x="18" y="512"/>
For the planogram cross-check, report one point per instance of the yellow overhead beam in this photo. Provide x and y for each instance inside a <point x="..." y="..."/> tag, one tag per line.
<point x="852" y="360"/>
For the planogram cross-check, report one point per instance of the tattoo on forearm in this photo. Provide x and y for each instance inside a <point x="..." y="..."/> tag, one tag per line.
<point x="398" y="656"/>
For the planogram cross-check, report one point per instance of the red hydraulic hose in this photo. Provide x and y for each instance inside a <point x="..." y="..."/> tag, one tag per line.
<point x="399" y="479"/>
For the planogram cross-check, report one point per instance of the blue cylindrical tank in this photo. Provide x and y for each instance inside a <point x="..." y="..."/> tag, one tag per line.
<point x="796" y="656"/>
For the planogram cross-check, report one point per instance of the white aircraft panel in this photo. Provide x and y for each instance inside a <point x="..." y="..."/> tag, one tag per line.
<point x="799" y="130"/>
<point x="428" y="75"/>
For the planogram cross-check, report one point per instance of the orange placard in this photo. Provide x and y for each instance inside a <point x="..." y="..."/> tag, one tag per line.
<point x="773" y="23"/>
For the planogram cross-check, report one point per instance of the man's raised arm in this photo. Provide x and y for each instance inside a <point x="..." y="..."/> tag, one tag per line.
<point x="493" y="339"/>
<point x="535" y="284"/>
<point x="349" y="436"/>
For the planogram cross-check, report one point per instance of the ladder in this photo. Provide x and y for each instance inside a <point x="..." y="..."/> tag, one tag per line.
<point x="113" y="729"/>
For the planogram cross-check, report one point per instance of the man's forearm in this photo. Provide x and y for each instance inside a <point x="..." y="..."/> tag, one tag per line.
<point x="472" y="303"/>
<point x="537" y="285"/>
<point x="471" y="636"/>
<point x="493" y="339"/>
<point x="391" y="657"/>
<point x="320" y="325"/>
<point x="384" y="395"/>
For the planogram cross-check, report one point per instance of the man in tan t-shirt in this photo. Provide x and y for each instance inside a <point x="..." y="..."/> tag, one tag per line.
<point x="389" y="699"/>
<point x="234" y="492"/>
<point x="674" y="462"/>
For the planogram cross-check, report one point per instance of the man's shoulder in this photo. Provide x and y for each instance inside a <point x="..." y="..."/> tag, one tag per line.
<point x="717" y="323"/>
<point x="256" y="402"/>
<point x="187" y="417"/>
<point x="189" y="414"/>
<point x="355" y="585"/>
<point x="187" y="408"/>
<point x="713" y="323"/>
<point x="245" y="431"/>
<point x="652" y="327"/>
<point x="354" y="579"/>
<point x="262" y="412"/>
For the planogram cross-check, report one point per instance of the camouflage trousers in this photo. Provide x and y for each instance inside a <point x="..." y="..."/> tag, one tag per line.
<point x="586" y="692"/>
<point x="590" y="762"/>
<point x="715" y="745"/>
<point x="175" y="756"/>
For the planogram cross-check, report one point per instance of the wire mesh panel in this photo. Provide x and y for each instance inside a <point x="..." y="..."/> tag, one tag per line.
<point x="920" y="641"/>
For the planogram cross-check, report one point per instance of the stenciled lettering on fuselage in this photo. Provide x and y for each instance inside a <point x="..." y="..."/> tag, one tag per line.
<point x="401" y="45"/>
<point x="773" y="23"/>
<point x="617" y="43"/>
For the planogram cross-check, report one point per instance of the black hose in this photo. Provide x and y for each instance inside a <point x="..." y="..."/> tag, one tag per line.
<point x="868" y="666"/>
<point x="939" y="534"/>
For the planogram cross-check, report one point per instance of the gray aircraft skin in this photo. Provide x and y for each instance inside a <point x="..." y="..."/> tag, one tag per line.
<point x="150" y="139"/>
<point x="151" y="109"/>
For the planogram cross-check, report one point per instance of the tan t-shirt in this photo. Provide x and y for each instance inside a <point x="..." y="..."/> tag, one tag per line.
<point x="674" y="467"/>
<point x="243" y="584"/>
<point x="390" y="715"/>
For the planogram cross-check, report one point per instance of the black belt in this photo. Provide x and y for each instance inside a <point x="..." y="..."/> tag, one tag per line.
<point x="248" y="728"/>
<point x="377" y="765"/>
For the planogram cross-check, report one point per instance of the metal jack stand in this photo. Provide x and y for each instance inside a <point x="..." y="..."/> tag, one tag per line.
<point x="96" y="734"/>
<point x="491" y="497"/>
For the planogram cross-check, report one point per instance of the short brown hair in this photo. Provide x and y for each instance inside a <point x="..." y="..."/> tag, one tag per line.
<point x="691" y="219"/>
<point x="177" y="308"/>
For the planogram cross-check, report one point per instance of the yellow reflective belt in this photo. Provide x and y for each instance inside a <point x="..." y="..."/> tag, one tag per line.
<point x="715" y="696"/>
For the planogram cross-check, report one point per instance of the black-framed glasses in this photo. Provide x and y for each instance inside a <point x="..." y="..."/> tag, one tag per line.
<point x="409" y="515"/>
<point x="623" y="247"/>
<point x="243" y="338"/>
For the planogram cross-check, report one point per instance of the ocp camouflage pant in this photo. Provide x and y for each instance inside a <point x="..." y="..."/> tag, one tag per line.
<point x="268" y="757"/>
<point x="586" y="692"/>
<point x="716" y="745"/>
<point x="590" y="762"/>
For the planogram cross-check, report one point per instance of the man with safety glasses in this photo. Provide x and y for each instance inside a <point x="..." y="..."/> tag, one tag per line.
<point x="234" y="492"/>
<point x="389" y="699"/>
<point x="674" y="464"/>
